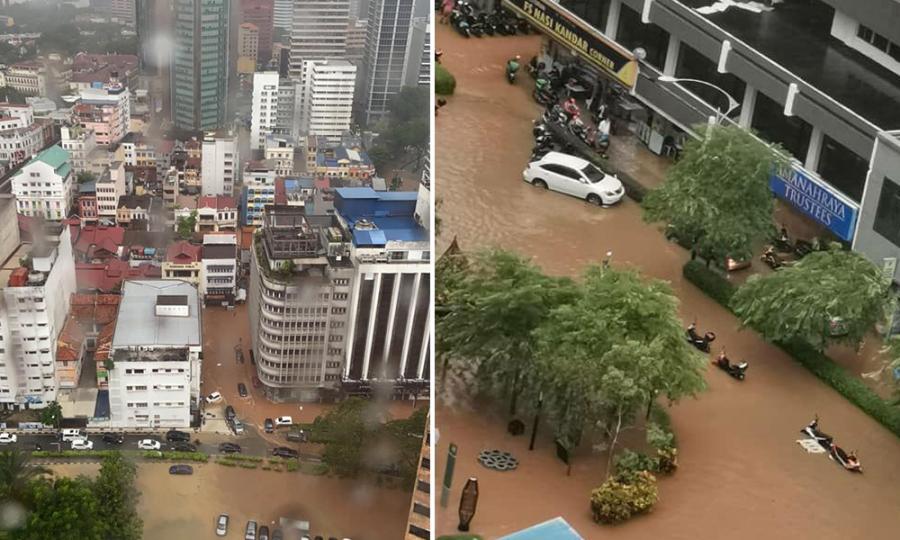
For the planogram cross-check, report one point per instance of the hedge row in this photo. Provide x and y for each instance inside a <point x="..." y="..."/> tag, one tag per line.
<point x="845" y="383"/>
<point x="199" y="457"/>
<point x="74" y="453"/>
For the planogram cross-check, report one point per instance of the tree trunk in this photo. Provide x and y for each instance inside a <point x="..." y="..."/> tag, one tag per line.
<point x="649" y="409"/>
<point x="515" y="394"/>
<point x="612" y="443"/>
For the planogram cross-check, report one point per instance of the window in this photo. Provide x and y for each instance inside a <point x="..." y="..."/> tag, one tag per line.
<point x="421" y="509"/>
<point x="842" y="168"/>
<point x="887" y="216"/>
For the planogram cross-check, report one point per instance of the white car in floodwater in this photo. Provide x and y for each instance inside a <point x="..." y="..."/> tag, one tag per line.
<point x="574" y="176"/>
<point x="149" y="444"/>
<point x="7" y="438"/>
<point x="82" y="444"/>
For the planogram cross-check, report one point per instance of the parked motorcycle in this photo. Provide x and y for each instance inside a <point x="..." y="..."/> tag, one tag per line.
<point x="771" y="258"/>
<point x="698" y="341"/>
<point x="847" y="461"/>
<point x="735" y="370"/>
<point x="812" y="431"/>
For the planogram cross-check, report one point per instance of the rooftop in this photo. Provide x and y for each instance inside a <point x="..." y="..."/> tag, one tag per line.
<point x="219" y="202"/>
<point x="797" y="36"/>
<point x="378" y="217"/>
<point x="138" y="324"/>
<point x="219" y="251"/>
<point x="54" y="156"/>
<point x="109" y="275"/>
<point x="183" y="252"/>
<point x="341" y="155"/>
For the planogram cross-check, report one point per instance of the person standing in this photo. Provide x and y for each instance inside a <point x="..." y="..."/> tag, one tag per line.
<point x="446" y="9"/>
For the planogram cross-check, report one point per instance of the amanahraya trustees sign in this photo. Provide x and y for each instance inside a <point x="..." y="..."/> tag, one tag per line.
<point x="572" y="32"/>
<point x="815" y="199"/>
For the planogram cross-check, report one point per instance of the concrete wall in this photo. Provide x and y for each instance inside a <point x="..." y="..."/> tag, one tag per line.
<point x="886" y="163"/>
<point x="9" y="228"/>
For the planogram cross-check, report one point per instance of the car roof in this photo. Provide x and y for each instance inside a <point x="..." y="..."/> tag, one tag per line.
<point x="564" y="159"/>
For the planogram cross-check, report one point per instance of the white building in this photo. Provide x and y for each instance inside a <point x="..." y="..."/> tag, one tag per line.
<point x="220" y="164"/>
<point x="264" y="108"/>
<point x="106" y="111"/>
<point x="280" y="150"/>
<point x="80" y="143"/>
<point x="110" y="186"/>
<point x="218" y="268"/>
<point x="283" y="14"/>
<point x="34" y="303"/>
<point x="417" y="66"/>
<point x="155" y="351"/>
<point x="259" y="188"/>
<point x="214" y="214"/>
<point x="328" y="98"/>
<point x="318" y="31"/>
<point x="20" y="136"/>
<point x="43" y="186"/>
<point x="387" y="40"/>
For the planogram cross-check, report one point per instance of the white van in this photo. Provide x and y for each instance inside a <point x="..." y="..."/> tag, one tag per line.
<point x="72" y="435"/>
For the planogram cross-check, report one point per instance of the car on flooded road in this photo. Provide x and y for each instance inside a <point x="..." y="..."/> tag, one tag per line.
<point x="574" y="176"/>
<point x="181" y="469"/>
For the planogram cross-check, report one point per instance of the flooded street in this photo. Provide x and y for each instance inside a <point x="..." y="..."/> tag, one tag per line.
<point x="187" y="506"/>
<point x="741" y="473"/>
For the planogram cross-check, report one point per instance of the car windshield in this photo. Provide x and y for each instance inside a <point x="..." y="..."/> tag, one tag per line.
<point x="593" y="174"/>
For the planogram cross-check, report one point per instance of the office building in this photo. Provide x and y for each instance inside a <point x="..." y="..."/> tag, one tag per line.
<point x="156" y="356"/>
<point x="20" y="136"/>
<point x="80" y="143"/>
<point x="833" y="121"/>
<point x="29" y="78"/>
<point x="43" y="186"/>
<point x="418" y="54"/>
<point x="328" y="98"/>
<point x="300" y="283"/>
<point x="248" y="43"/>
<point x="387" y="40"/>
<point x="287" y="122"/>
<point x="318" y="31"/>
<point x="259" y="13"/>
<point x="258" y="192"/>
<point x="218" y="268"/>
<point x="280" y="150"/>
<point x="388" y="334"/>
<point x="122" y="11"/>
<point x="220" y="164"/>
<point x="199" y="74"/>
<point x="283" y="14"/>
<point x="356" y="42"/>
<point x="110" y="186"/>
<point x="34" y="302"/>
<point x="106" y="111"/>
<point x="263" y="108"/>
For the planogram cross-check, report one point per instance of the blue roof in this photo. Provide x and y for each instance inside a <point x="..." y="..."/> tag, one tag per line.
<point x="554" y="529"/>
<point x="357" y="193"/>
<point x="392" y="213"/>
<point x="303" y="182"/>
<point x="369" y="238"/>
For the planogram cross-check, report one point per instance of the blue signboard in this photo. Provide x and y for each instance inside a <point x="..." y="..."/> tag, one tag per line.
<point x="816" y="200"/>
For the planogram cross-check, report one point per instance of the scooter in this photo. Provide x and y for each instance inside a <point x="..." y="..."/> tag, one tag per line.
<point x="511" y="76"/>
<point x="772" y="259"/>
<point x="735" y="370"/>
<point x="700" y="342"/>
<point x="847" y="461"/>
<point x="812" y="431"/>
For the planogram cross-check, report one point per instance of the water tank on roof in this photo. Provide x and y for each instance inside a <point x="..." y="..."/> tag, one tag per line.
<point x="35" y="278"/>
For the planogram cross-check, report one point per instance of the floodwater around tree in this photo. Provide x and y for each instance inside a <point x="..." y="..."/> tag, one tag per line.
<point x="741" y="475"/>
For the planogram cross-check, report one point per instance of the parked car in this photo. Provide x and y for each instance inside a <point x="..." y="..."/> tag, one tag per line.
<point x="263" y="533"/>
<point x="284" y="421"/>
<point x="242" y="391"/>
<point x="297" y="436"/>
<point x="174" y="435"/>
<point x="181" y="469"/>
<point x="269" y="425"/>
<point x="8" y="438"/>
<point x="229" y="413"/>
<point x="222" y="525"/>
<point x="229" y="448"/>
<point x="71" y="434"/>
<point x="574" y="176"/>
<point x="250" y="532"/>
<point x="237" y="426"/>
<point x="149" y="444"/>
<point x="113" y="438"/>
<point x="215" y="397"/>
<point x="82" y="444"/>
<point x="183" y="447"/>
<point x="285" y="452"/>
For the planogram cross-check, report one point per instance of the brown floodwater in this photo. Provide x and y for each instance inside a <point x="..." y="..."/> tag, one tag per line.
<point x="742" y="475"/>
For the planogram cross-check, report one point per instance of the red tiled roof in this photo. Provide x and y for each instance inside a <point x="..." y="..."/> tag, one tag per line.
<point x="183" y="252"/>
<point x="104" y="341"/>
<point x="219" y="202"/>
<point x="106" y="238"/>
<point x="109" y="275"/>
<point x="97" y="308"/>
<point x="70" y="340"/>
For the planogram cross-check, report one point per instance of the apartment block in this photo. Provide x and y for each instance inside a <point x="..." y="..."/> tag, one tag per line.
<point x="43" y="186"/>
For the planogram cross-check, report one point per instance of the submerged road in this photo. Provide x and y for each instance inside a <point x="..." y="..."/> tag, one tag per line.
<point x="742" y="475"/>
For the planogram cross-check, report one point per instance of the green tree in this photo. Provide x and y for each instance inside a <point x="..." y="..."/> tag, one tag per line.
<point x="802" y="301"/>
<point x="16" y="474"/>
<point x="346" y="434"/>
<point x="63" y="508"/>
<point x="405" y="437"/>
<point x="717" y="196"/>
<point x="489" y="319"/>
<point x="186" y="225"/>
<point x="604" y="357"/>
<point x="117" y="497"/>
<point x="51" y="415"/>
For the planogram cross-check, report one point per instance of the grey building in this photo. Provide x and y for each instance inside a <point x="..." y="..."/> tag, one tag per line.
<point x="820" y="77"/>
<point x="418" y="54"/>
<point x="387" y="40"/>
<point x="301" y="278"/>
<point x="199" y="66"/>
<point x="282" y="14"/>
<point x="318" y="31"/>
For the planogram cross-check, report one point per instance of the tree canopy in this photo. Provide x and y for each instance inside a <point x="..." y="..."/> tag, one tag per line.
<point x="717" y="196"/>
<point x="408" y="126"/>
<point x="51" y="415"/>
<point x="802" y="301"/>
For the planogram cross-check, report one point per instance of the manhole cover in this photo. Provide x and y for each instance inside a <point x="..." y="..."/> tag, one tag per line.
<point x="498" y="460"/>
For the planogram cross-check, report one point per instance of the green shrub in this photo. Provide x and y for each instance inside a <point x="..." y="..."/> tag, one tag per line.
<point x="659" y="437"/>
<point x="199" y="457"/>
<point x="847" y="384"/>
<point x="292" y="466"/>
<point x="239" y="457"/>
<point x="629" y="463"/>
<point x="444" y="82"/>
<point x="266" y="468"/>
<point x="709" y="281"/>
<point x="248" y="464"/>
<point x="227" y="463"/>
<point x="615" y="501"/>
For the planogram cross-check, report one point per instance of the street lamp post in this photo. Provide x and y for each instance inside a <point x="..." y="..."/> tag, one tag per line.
<point x="732" y="103"/>
<point x="537" y="416"/>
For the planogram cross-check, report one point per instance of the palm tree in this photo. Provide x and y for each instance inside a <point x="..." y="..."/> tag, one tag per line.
<point x="16" y="473"/>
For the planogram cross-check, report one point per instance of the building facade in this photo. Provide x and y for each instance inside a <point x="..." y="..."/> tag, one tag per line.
<point x="342" y="162"/>
<point x="264" y="108"/>
<point x="155" y="352"/>
<point x="328" y="101"/>
<point x="283" y="14"/>
<point x="221" y="164"/>
<point x="248" y="47"/>
<point x="80" y="143"/>
<point x="280" y="151"/>
<point x="218" y="268"/>
<point x="43" y="186"/>
<point x="122" y="11"/>
<point x="418" y="54"/>
<point x="34" y="302"/>
<point x="318" y="31"/>
<point x="259" y="191"/>
<point x="199" y="74"/>
<point x="27" y="78"/>
<point x="387" y="40"/>
<point x="20" y="136"/>
<point x="109" y="188"/>
<point x="182" y="263"/>
<point x="105" y="111"/>
<point x="259" y="13"/>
